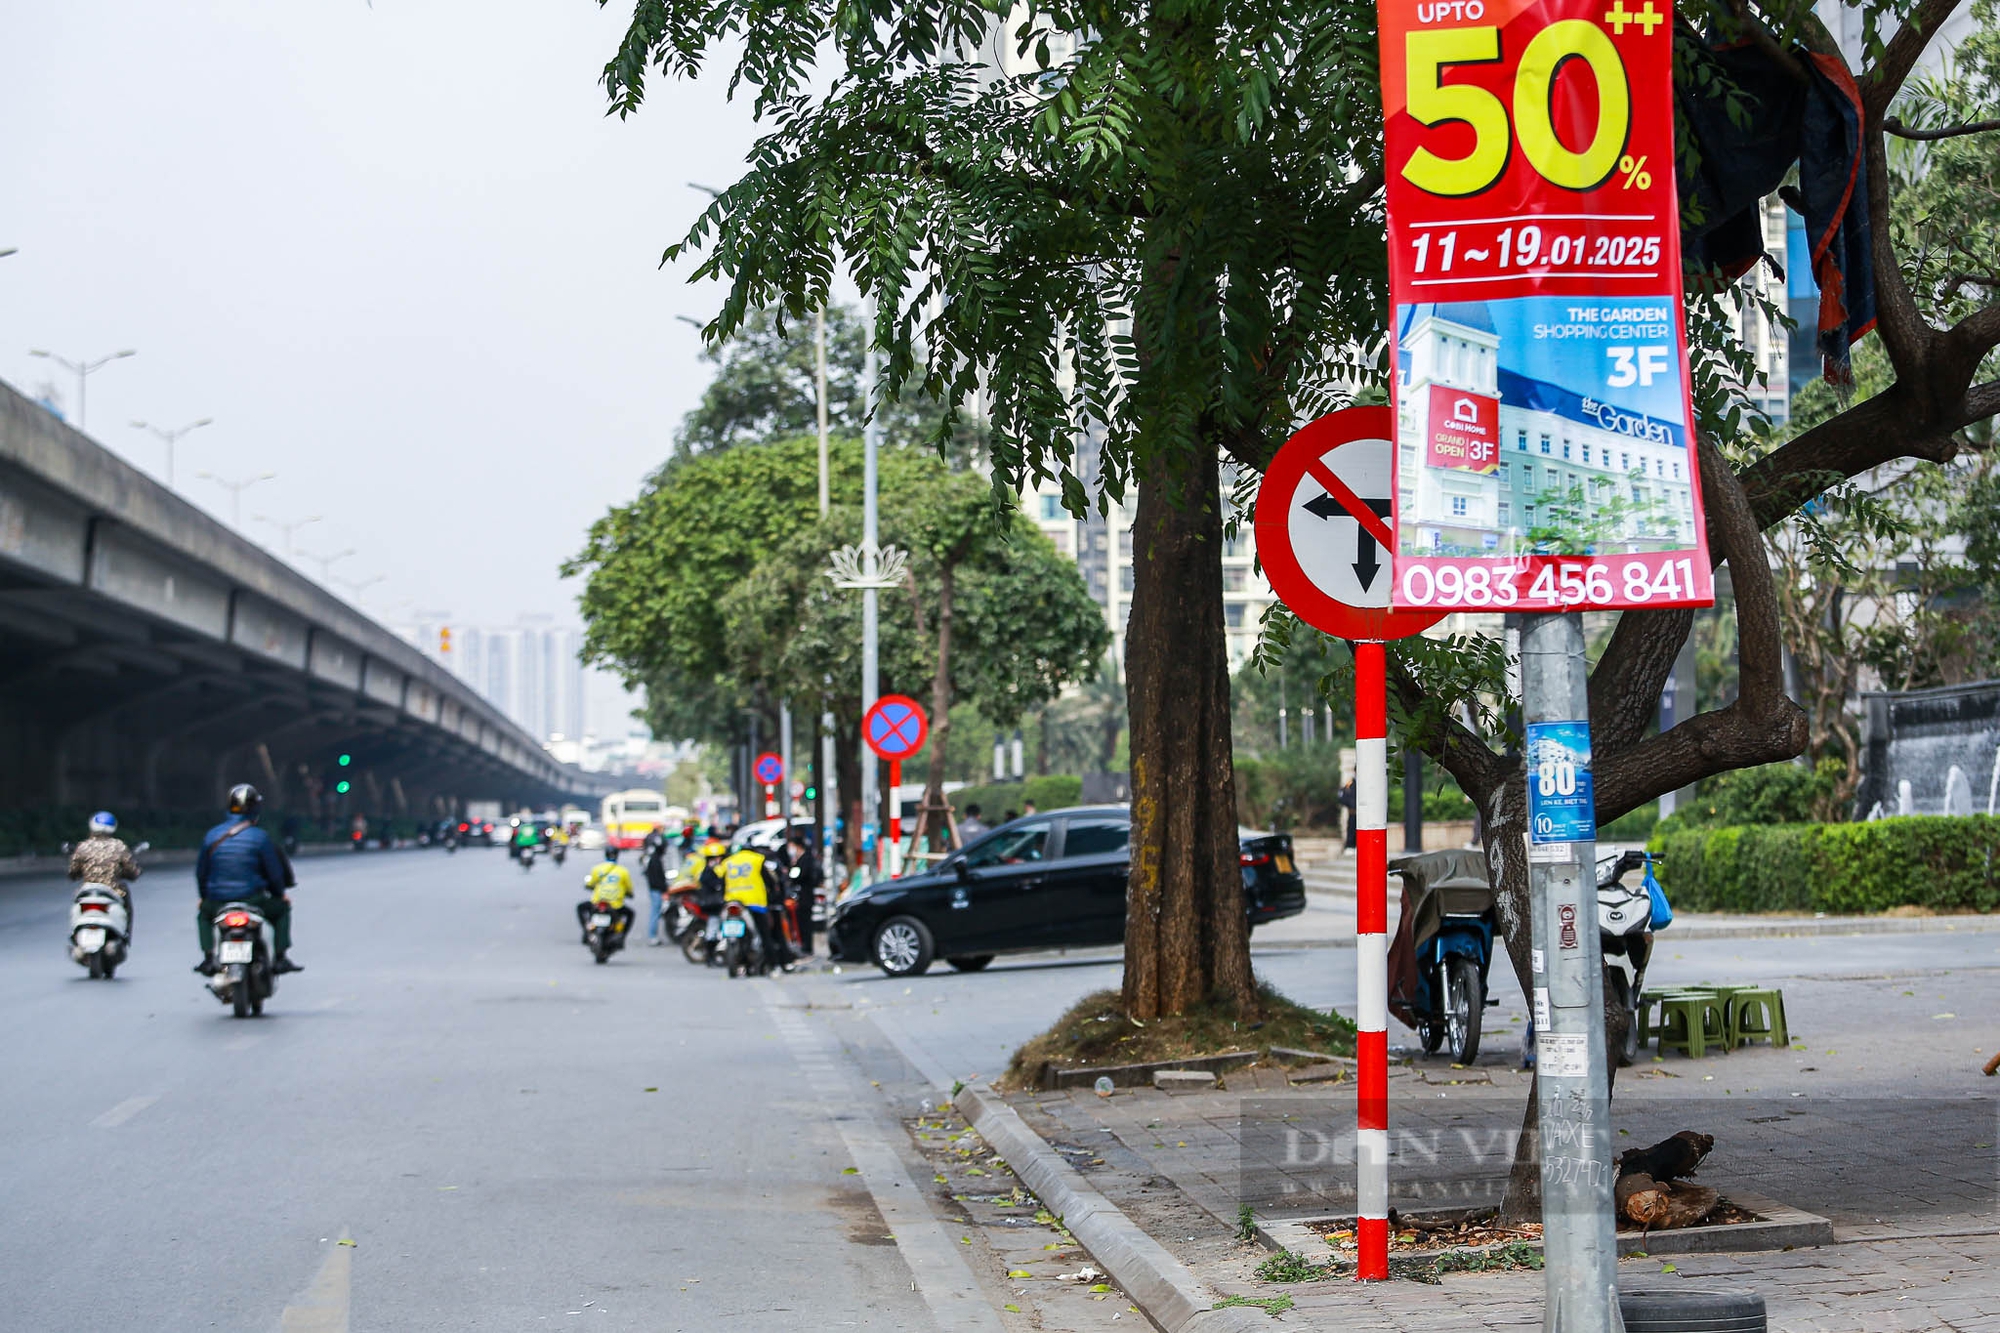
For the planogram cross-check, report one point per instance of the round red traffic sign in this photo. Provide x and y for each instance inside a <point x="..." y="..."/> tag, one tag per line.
<point x="769" y="768"/>
<point x="895" y="727"/>
<point x="1323" y="526"/>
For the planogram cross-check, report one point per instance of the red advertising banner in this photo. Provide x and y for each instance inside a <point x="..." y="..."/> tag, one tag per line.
<point x="1544" y="427"/>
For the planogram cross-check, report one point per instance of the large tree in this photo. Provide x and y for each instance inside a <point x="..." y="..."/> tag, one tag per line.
<point x="1164" y="239"/>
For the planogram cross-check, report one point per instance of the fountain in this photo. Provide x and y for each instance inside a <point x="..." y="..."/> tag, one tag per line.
<point x="1923" y="745"/>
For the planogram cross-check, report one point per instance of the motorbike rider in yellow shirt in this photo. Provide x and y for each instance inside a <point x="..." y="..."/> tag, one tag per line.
<point x="749" y="878"/>
<point x="610" y="884"/>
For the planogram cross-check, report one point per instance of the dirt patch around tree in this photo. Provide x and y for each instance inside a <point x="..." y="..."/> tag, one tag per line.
<point x="1096" y="1031"/>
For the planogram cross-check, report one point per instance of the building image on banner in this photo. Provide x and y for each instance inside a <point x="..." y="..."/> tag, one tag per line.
<point x="1512" y="443"/>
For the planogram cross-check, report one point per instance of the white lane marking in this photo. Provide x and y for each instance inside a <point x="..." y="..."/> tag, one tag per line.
<point x="943" y="1279"/>
<point x="322" y="1307"/>
<point x="124" y="1111"/>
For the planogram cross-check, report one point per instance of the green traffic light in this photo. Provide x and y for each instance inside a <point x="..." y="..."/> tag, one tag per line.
<point x="812" y="793"/>
<point x="346" y="759"/>
<point x="341" y="787"/>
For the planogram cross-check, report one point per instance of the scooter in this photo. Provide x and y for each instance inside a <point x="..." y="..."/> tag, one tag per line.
<point x="526" y="855"/>
<point x="1625" y="936"/>
<point x="100" y="927"/>
<point x="604" y="930"/>
<point x="742" y="943"/>
<point x="243" y="978"/>
<point x="1625" y="932"/>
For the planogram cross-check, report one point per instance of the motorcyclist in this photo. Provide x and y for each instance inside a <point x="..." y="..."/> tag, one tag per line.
<point x="103" y="858"/>
<point x="749" y="878"/>
<point x="525" y="835"/>
<point x="610" y="884"/>
<point x="239" y="863"/>
<point x="558" y="840"/>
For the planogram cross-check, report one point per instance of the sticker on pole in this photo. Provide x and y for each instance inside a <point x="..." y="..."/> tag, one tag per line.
<point x="1324" y="528"/>
<point x="1544" y="424"/>
<point x="769" y="768"/>
<point x="895" y="727"/>
<point x="1561" y="807"/>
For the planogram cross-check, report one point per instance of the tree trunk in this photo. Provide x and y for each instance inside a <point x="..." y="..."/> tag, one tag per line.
<point x="930" y="815"/>
<point x="847" y="774"/>
<point x="1187" y="941"/>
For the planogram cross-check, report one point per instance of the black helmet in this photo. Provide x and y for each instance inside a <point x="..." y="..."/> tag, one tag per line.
<point x="610" y="852"/>
<point x="244" y="800"/>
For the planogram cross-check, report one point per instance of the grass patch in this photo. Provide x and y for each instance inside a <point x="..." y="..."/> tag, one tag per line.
<point x="1287" y="1266"/>
<point x="1096" y="1031"/>
<point x="1268" y="1304"/>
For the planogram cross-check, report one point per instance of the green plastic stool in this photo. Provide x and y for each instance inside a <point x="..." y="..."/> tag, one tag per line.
<point x="1756" y="1013"/>
<point x="1691" y="1021"/>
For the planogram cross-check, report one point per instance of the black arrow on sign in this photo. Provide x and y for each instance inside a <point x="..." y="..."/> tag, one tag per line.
<point x="1366" y="566"/>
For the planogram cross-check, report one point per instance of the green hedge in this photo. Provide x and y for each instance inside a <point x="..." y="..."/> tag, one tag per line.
<point x="1051" y="791"/>
<point x="1943" y="863"/>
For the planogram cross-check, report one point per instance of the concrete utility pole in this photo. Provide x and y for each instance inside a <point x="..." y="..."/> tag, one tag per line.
<point x="871" y="684"/>
<point x="170" y="438"/>
<point x="819" y="376"/>
<point x="83" y="370"/>
<point x="1573" y="1081"/>
<point x="785" y="756"/>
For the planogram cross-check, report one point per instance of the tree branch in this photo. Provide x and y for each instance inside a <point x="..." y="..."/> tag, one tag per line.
<point x="1625" y="686"/>
<point x="1880" y="85"/>
<point x="1761" y="726"/>
<point x="1894" y="125"/>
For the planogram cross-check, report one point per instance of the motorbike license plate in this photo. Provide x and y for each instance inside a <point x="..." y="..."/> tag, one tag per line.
<point x="234" y="951"/>
<point x="600" y="921"/>
<point x="90" y="939"/>
<point x="1284" y="863"/>
<point x="732" y="930"/>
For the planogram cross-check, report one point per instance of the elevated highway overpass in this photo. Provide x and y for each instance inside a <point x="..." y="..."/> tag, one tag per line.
<point x="151" y="656"/>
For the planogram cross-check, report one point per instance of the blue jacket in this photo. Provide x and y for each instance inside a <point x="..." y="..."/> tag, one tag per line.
<point x="241" y="866"/>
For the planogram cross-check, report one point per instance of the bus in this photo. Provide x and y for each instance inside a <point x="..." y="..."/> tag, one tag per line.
<point x="630" y="815"/>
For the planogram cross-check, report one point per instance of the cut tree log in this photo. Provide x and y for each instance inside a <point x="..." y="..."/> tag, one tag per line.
<point x="1641" y="1199"/>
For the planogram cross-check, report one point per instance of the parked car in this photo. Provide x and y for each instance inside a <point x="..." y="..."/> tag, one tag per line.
<point x="1044" y="881"/>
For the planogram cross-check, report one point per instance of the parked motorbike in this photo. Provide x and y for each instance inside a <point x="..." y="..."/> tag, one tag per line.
<point x="686" y="924"/>
<point x="604" y="931"/>
<point x="742" y="942"/>
<point x="243" y="978"/>
<point x="1443" y="950"/>
<point x="1625" y="931"/>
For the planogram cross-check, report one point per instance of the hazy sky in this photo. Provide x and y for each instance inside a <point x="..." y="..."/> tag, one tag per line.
<point x="399" y="254"/>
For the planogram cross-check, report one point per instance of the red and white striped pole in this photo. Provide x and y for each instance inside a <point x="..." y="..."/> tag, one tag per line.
<point x="1371" y="962"/>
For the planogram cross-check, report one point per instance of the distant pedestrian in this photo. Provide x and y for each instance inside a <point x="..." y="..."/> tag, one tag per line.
<point x="1347" y="804"/>
<point x="972" y="826"/>
<point x="653" y="864"/>
<point x="802" y="880"/>
<point x="1010" y="816"/>
<point x="1028" y="808"/>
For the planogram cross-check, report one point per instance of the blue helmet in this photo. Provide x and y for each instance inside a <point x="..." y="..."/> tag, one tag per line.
<point x="103" y="822"/>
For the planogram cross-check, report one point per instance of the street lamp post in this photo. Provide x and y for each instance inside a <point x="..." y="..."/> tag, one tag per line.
<point x="287" y="528"/>
<point x="170" y="438"/>
<point x="236" y="489"/>
<point x="327" y="562"/>
<point x="355" y="587"/>
<point x="83" y="370"/>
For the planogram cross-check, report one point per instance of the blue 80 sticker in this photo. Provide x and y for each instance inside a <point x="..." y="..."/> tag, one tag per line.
<point x="1561" y="806"/>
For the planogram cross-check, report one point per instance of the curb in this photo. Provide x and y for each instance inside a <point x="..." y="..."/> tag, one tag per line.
<point x="1158" y="1283"/>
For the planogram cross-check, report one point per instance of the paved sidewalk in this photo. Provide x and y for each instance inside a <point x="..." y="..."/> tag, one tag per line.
<point x="1911" y="1192"/>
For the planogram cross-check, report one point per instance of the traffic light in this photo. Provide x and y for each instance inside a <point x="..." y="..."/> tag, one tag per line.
<point x="345" y="760"/>
<point x="812" y="792"/>
<point x="444" y="639"/>
<point x="342" y="786"/>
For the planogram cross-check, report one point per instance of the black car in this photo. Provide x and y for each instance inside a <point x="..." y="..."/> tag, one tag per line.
<point x="1044" y="881"/>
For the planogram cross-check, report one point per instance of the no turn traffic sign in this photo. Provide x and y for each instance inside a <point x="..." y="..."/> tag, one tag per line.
<point x="1323" y="526"/>
<point x="895" y="727"/>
